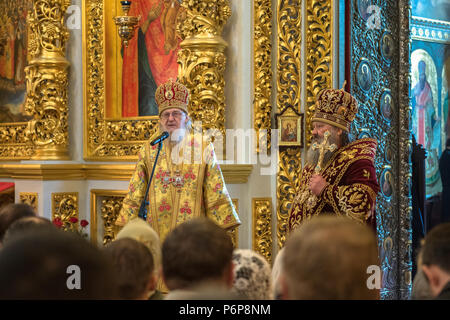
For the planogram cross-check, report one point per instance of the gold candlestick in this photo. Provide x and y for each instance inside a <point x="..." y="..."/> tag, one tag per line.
<point x="127" y="24"/>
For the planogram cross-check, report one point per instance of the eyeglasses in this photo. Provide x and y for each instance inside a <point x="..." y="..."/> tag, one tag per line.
<point x="175" y="114"/>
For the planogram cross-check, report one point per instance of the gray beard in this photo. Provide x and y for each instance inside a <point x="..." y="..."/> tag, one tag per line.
<point x="312" y="156"/>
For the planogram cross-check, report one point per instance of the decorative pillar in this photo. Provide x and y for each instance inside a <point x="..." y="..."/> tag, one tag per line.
<point x="47" y="79"/>
<point x="202" y="59"/>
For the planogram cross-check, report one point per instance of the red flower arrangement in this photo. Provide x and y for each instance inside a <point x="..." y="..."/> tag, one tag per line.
<point x="71" y="225"/>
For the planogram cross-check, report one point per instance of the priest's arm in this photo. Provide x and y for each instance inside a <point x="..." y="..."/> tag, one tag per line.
<point x="136" y="191"/>
<point x="355" y="196"/>
<point x="217" y="201"/>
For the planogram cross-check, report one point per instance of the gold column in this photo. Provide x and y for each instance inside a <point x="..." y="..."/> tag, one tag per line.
<point x="288" y="93"/>
<point x="262" y="47"/>
<point x="202" y="59"/>
<point x="262" y="227"/>
<point x="318" y="54"/>
<point x="47" y="79"/>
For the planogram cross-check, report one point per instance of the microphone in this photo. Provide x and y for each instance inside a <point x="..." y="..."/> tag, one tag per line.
<point x="162" y="137"/>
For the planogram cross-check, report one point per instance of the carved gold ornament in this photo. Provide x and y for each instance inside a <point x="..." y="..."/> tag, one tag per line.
<point x="289" y="171"/>
<point x="29" y="198"/>
<point x="319" y="65"/>
<point x="65" y="209"/>
<point x="202" y="59"/>
<point x="288" y="93"/>
<point x="262" y="47"/>
<point x="105" y="207"/>
<point x="262" y="227"/>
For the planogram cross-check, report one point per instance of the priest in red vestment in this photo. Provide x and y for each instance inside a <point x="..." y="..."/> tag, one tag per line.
<point x="339" y="176"/>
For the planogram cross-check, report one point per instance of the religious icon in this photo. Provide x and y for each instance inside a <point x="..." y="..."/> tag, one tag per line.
<point x="13" y="59"/>
<point x="364" y="76"/>
<point x="426" y="116"/>
<point x="386" y="105"/>
<point x="387" y="46"/>
<point x="290" y="128"/>
<point x="363" y="6"/>
<point x="388" y="155"/>
<point x="386" y="183"/>
<point x="151" y="56"/>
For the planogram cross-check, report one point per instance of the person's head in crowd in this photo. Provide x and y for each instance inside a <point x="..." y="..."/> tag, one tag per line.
<point x="420" y="287"/>
<point x="141" y="231"/>
<point x="133" y="268"/>
<point x="24" y="225"/>
<point x="197" y="253"/>
<point x="435" y="254"/>
<point x="53" y="264"/>
<point x="327" y="258"/>
<point x="11" y="213"/>
<point x="276" y="274"/>
<point x="252" y="275"/>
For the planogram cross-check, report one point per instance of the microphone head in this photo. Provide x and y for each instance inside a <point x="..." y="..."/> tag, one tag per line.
<point x="164" y="135"/>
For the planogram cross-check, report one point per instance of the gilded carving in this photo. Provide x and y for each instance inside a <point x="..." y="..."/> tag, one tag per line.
<point x="110" y="208"/>
<point x="288" y="93"/>
<point x="262" y="47"/>
<point x="65" y="208"/>
<point x="30" y="198"/>
<point x="318" y="54"/>
<point x="289" y="58"/>
<point x="290" y="167"/>
<point x="262" y="227"/>
<point x="45" y="135"/>
<point x="202" y="60"/>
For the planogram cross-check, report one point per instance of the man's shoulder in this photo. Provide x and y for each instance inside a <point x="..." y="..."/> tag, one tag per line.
<point x="362" y="147"/>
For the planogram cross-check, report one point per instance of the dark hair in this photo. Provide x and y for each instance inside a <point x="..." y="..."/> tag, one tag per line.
<point x="133" y="264"/>
<point x="447" y="144"/>
<point x="38" y="265"/>
<point x="11" y="213"/>
<point x="25" y="224"/>
<point x="436" y="247"/>
<point x="195" y="251"/>
<point x="327" y="258"/>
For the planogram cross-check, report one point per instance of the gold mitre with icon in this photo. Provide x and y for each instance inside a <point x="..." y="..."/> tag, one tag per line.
<point x="172" y="94"/>
<point x="336" y="107"/>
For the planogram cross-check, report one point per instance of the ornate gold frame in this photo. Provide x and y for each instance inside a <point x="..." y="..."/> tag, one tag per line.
<point x="201" y="57"/>
<point x="45" y="137"/>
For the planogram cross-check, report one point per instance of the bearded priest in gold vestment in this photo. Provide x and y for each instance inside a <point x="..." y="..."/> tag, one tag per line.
<point x="187" y="182"/>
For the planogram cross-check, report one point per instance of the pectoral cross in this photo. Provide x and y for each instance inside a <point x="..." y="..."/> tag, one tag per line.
<point x="323" y="148"/>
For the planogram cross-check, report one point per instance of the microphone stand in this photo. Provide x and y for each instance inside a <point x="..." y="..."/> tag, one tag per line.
<point x="144" y="204"/>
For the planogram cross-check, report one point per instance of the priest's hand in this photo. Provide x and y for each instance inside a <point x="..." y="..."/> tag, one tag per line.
<point x="316" y="184"/>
